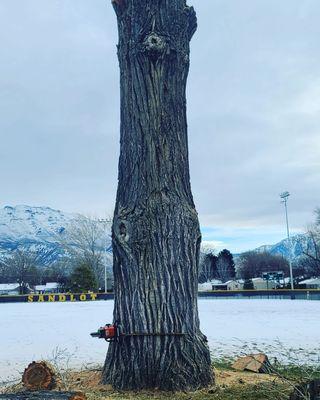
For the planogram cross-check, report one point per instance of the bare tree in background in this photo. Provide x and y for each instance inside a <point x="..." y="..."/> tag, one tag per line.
<point x="311" y="261"/>
<point x="87" y="240"/>
<point x="20" y="266"/>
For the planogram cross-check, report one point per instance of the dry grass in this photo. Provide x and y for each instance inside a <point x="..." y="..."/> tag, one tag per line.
<point x="230" y="385"/>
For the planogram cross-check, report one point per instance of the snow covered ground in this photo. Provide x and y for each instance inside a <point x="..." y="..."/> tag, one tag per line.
<point x="282" y="328"/>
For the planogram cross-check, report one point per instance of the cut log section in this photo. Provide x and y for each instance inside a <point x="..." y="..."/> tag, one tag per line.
<point x="257" y="363"/>
<point x="38" y="376"/>
<point x="44" y="395"/>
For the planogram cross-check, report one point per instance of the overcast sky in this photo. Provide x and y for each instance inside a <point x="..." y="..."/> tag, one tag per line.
<point x="253" y="109"/>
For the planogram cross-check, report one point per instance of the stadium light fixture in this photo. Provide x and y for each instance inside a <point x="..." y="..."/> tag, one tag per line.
<point x="284" y="196"/>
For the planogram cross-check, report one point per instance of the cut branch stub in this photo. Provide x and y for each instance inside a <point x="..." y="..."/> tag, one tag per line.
<point x="117" y="2"/>
<point x="39" y="375"/>
<point x="192" y="22"/>
<point x="118" y="5"/>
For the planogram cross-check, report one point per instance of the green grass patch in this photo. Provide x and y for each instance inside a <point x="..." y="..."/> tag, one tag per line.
<point x="297" y="373"/>
<point x="224" y="364"/>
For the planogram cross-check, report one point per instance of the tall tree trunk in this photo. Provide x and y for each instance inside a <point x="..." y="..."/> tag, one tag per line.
<point x="156" y="235"/>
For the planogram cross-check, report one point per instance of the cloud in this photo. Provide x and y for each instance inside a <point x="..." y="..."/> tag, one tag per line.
<point x="253" y="102"/>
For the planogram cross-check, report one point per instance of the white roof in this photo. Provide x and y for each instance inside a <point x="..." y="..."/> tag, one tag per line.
<point x="52" y="285"/>
<point x="312" y="281"/>
<point x="208" y="285"/>
<point x="262" y="280"/>
<point x="47" y="286"/>
<point x="40" y="287"/>
<point x="220" y="284"/>
<point x="9" y="286"/>
<point x="204" y="286"/>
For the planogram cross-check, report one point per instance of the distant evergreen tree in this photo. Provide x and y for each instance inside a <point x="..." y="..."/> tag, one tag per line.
<point x="83" y="279"/>
<point x="226" y="266"/>
<point x="214" y="274"/>
<point x="248" y="284"/>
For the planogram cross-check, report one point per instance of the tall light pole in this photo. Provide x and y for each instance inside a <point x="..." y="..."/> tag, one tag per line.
<point x="107" y="249"/>
<point x="105" y="278"/>
<point x="284" y="196"/>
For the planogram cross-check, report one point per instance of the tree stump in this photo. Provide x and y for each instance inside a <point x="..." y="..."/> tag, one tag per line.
<point x="44" y="395"/>
<point x="39" y="375"/>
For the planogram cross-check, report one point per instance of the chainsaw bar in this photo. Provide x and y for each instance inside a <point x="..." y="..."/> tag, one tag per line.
<point x="113" y="332"/>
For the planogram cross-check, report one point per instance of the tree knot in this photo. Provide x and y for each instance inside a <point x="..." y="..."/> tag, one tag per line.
<point x="154" y="44"/>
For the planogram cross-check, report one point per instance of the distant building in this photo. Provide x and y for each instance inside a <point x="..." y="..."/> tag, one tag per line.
<point x="207" y="286"/>
<point x="262" y="284"/>
<point x="286" y="281"/>
<point x="204" y="287"/>
<point x="7" y="289"/>
<point x="235" y="285"/>
<point x="49" y="287"/>
<point x="313" y="283"/>
<point x="219" y="286"/>
<point x="229" y="285"/>
<point x="216" y="284"/>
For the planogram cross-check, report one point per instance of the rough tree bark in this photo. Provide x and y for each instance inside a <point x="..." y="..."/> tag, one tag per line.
<point x="156" y="235"/>
<point x="43" y="395"/>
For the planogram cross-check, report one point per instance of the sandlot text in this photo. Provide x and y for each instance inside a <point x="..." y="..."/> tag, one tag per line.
<point x="61" y="297"/>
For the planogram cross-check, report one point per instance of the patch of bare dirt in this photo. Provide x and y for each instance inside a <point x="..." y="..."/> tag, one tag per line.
<point x="231" y="378"/>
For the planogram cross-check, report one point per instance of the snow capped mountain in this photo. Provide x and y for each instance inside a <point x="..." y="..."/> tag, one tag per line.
<point x="38" y="229"/>
<point x="291" y="250"/>
<point x="33" y="228"/>
<point x="34" y="223"/>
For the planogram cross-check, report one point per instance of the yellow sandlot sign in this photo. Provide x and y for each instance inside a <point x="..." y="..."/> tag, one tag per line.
<point x="42" y="298"/>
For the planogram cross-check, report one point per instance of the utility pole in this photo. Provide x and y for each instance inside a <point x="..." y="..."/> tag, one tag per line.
<point x="284" y="196"/>
<point x="105" y="278"/>
<point x="107" y="250"/>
